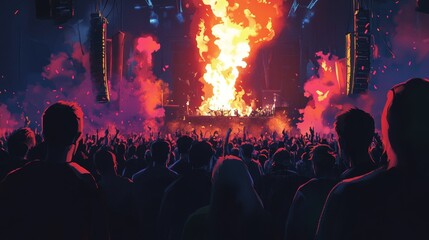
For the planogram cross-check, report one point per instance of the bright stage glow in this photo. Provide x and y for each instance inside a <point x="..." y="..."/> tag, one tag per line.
<point x="227" y="36"/>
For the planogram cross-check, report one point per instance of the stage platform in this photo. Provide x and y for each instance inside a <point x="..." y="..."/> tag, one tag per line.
<point x="207" y="124"/>
<point x="226" y="119"/>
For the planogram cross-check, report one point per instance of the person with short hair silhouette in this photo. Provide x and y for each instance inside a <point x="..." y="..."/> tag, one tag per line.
<point x="134" y="163"/>
<point x="277" y="189"/>
<point x="255" y="168"/>
<point x="388" y="203"/>
<point x="310" y="197"/>
<point x="19" y="143"/>
<point x="118" y="192"/>
<point x="304" y="166"/>
<point x="150" y="184"/>
<point x="355" y="129"/>
<point x="187" y="194"/>
<point x="53" y="198"/>
<point x="182" y="165"/>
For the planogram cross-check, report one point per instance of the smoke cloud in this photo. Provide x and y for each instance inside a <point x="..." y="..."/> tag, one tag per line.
<point x="8" y="123"/>
<point x="401" y="52"/>
<point x="67" y="77"/>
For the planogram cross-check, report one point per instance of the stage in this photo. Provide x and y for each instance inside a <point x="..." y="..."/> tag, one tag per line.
<point x="209" y="124"/>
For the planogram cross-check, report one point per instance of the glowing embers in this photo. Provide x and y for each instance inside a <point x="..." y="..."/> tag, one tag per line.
<point x="228" y="34"/>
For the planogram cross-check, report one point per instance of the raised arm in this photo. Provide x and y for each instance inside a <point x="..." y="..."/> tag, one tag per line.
<point x="106" y="137"/>
<point x="225" y="146"/>
<point x="112" y="142"/>
<point x="244" y="134"/>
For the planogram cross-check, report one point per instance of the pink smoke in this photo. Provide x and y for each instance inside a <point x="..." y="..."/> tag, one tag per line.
<point x="69" y="78"/>
<point x="8" y="123"/>
<point x="402" y="52"/>
<point x="327" y="96"/>
<point x="150" y="90"/>
<point x="146" y="46"/>
<point x="321" y="89"/>
<point x="61" y="65"/>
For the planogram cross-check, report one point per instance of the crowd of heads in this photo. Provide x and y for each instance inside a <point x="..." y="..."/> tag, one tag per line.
<point x="246" y="177"/>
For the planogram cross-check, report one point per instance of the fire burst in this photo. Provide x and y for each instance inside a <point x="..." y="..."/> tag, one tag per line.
<point x="237" y="29"/>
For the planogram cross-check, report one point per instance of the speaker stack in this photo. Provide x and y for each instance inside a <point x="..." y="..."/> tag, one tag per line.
<point x="359" y="53"/>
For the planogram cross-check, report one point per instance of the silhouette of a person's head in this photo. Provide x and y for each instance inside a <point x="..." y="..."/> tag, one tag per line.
<point x="355" y="129"/>
<point x="131" y="151"/>
<point x="184" y="144"/>
<point x="273" y="148"/>
<point x="281" y="159"/>
<point x="235" y="152"/>
<point x="105" y="162"/>
<point x="20" y="142"/>
<point x="62" y="124"/>
<point x="323" y="160"/>
<point x="200" y="154"/>
<point x="405" y="125"/>
<point x="121" y="149"/>
<point x="160" y="152"/>
<point x="246" y="150"/>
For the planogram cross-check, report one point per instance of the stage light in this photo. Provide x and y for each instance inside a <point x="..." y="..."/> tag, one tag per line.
<point x="293" y="8"/>
<point x="180" y="18"/>
<point x="138" y="7"/>
<point x="304" y="5"/>
<point x="312" y="4"/>
<point x="154" y="19"/>
<point x="179" y="15"/>
<point x="308" y="15"/>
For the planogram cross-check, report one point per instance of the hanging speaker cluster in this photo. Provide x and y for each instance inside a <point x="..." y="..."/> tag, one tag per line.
<point x="358" y="53"/>
<point x="97" y="56"/>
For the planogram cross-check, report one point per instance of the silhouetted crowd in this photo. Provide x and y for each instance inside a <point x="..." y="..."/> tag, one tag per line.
<point x="65" y="184"/>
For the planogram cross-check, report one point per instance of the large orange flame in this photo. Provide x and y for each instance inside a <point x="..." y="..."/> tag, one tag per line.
<point x="237" y="29"/>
